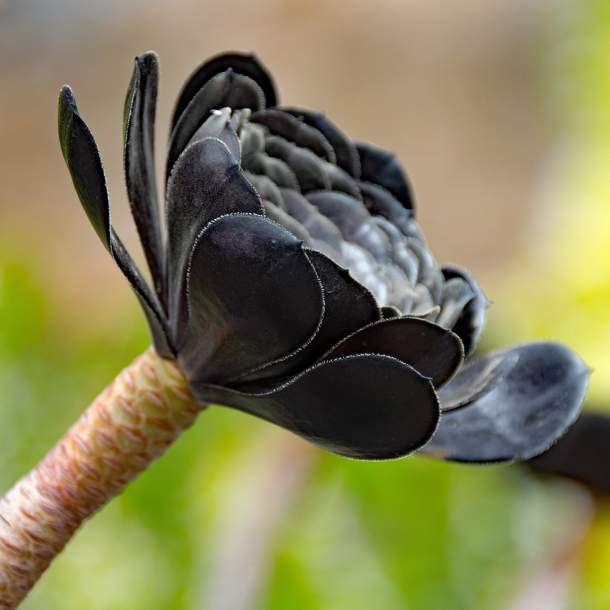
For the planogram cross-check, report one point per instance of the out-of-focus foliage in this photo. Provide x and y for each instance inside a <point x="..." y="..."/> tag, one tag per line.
<point x="563" y="289"/>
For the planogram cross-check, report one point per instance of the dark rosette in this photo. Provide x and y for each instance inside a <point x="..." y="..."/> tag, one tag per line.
<point x="292" y="281"/>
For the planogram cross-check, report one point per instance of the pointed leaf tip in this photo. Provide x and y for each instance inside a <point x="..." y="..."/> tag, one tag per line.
<point x="139" y="162"/>
<point x="82" y="158"/>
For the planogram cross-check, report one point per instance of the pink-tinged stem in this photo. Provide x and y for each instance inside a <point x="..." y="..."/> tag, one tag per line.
<point x="127" y="427"/>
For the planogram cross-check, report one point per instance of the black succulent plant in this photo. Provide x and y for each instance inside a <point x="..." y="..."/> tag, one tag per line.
<point x="292" y="281"/>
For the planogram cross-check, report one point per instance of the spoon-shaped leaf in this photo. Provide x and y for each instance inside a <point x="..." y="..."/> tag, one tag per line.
<point x="521" y="401"/>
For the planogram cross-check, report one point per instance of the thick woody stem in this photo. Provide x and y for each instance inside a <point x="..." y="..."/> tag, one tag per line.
<point x="127" y="427"/>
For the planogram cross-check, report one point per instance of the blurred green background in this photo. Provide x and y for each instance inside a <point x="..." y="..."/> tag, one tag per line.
<point x="501" y="113"/>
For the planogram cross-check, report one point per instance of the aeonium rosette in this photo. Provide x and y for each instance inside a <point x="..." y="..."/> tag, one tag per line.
<point x="291" y="280"/>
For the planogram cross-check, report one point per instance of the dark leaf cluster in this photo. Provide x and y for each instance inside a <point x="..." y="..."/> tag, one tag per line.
<point x="290" y="279"/>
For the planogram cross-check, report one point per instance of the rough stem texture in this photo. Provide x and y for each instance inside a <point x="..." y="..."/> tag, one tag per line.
<point x="127" y="427"/>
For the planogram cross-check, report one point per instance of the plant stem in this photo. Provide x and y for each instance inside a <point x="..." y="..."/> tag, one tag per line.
<point x="127" y="427"/>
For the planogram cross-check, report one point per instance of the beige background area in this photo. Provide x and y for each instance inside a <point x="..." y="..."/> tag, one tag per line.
<point x="454" y="88"/>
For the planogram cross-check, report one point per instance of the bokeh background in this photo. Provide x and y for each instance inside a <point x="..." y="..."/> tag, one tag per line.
<point x="501" y="113"/>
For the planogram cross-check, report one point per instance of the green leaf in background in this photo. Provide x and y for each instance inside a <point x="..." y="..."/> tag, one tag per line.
<point x="562" y="290"/>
